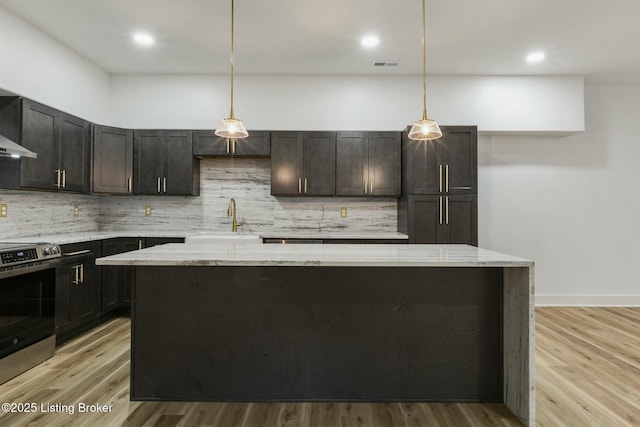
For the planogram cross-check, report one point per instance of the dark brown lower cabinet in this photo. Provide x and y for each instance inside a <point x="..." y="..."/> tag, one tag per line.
<point x="78" y="290"/>
<point x="443" y="219"/>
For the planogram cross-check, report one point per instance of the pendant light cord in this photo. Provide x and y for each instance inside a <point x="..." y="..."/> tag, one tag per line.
<point x="232" y="44"/>
<point x="424" y="62"/>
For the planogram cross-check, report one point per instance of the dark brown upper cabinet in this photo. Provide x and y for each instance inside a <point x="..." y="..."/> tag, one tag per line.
<point x="368" y="164"/>
<point x="163" y="163"/>
<point x="448" y="165"/>
<point x="303" y="163"/>
<point x="112" y="160"/>
<point x="207" y="144"/>
<point x="61" y="141"/>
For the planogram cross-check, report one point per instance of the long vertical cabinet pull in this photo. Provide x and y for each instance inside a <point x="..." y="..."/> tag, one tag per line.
<point x="233" y="146"/>
<point x="81" y="273"/>
<point x="299" y="185"/>
<point x="440" y="178"/>
<point x="447" y="178"/>
<point x="228" y="144"/>
<point x="447" y="216"/>
<point x="64" y="178"/>
<point x="130" y="184"/>
<point x="440" y="210"/>
<point x="158" y="184"/>
<point x="164" y="184"/>
<point x="139" y="243"/>
<point x="305" y="186"/>
<point x="58" y="174"/>
<point x="365" y="186"/>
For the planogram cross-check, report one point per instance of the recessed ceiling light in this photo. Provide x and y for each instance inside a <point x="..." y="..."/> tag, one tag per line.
<point x="143" y="39"/>
<point x="370" y="41"/>
<point x="535" y="57"/>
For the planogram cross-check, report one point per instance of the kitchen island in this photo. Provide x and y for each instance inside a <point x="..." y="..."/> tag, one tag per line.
<point x="251" y="322"/>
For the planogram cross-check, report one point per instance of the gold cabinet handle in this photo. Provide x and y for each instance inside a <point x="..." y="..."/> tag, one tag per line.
<point x="305" y="186"/>
<point x="81" y="273"/>
<point x="139" y="243"/>
<point x="299" y="185"/>
<point x="233" y="146"/>
<point x="130" y="184"/>
<point x="228" y="145"/>
<point x="440" y="210"/>
<point x="440" y="178"/>
<point x="447" y="216"/>
<point x="64" y="178"/>
<point x="164" y="184"/>
<point x="57" y="171"/>
<point x="447" y="178"/>
<point x="77" y="275"/>
<point x="158" y="184"/>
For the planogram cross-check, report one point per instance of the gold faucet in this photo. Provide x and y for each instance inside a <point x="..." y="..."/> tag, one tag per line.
<point x="231" y="211"/>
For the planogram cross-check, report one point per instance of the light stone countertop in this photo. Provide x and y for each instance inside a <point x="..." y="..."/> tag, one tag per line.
<point x="88" y="236"/>
<point x="347" y="255"/>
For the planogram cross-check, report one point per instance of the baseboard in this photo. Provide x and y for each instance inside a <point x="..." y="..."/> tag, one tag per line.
<point x="589" y="300"/>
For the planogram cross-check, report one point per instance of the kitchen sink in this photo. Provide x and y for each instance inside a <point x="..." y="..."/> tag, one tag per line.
<point x="224" y="238"/>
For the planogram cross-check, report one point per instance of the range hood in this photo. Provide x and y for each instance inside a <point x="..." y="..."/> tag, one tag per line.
<point x="10" y="148"/>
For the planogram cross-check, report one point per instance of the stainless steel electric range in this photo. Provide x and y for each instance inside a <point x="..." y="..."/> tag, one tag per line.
<point x="27" y="305"/>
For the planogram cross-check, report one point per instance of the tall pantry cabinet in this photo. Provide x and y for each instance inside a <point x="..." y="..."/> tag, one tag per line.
<point x="439" y="202"/>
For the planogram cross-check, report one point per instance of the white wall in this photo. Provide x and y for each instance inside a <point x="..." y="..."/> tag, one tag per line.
<point x="495" y="104"/>
<point x="34" y="65"/>
<point x="572" y="204"/>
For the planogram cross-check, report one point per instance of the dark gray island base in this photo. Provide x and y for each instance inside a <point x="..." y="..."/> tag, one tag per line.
<point x="252" y="322"/>
<point x="317" y="333"/>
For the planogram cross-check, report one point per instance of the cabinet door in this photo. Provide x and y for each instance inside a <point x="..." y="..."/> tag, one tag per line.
<point x="64" y="318"/>
<point x="319" y="164"/>
<point x="461" y="220"/>
<point x="75" y="153"/>
<point x="207" y="143"/>
<point x="460" y="159"/>
<point x="88" y="292"/>
<point x="40" y="133"/>
<point x="384" y="163"/>
<point x="426" y="219"/>
<point x="148" y="159"/>
<point x="178" y="163"/>
<point x="257" y="144"/>
<point x="112" y="276"/>
<point x="112" y="160"/>
<point x="352" y="164"/>
<point x="422" y="166"/>
<point x="286" y="163"/>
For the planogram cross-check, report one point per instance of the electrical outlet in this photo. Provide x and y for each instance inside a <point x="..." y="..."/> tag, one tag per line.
<point x="76" y="210"/>
<point x="3" y="210"/>
<point x="148" y="210"/>
<point x="343" y="213"/>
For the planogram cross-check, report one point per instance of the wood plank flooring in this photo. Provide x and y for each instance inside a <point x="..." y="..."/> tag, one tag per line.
<point x="587" y="362"/>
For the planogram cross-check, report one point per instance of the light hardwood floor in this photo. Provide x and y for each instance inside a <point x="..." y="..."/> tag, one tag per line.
<point x="587" y="362"/>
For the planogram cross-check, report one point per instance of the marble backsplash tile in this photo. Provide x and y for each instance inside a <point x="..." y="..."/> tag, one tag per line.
<point x="32" y="213"/>
<point x="246" y="180"/>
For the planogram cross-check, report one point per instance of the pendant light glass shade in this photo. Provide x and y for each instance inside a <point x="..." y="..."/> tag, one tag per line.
<point x="232" y="127"/>
<point x="424" y="129"/>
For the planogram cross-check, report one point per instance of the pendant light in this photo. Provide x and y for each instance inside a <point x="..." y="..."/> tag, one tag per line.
<point x="232" y="127"/>
<point x="424" y="129"/>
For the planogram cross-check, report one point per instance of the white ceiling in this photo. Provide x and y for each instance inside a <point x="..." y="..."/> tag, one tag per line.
<point x="591" y="38"/>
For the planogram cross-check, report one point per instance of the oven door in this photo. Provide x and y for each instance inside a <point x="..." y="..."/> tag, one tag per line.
<point x="27" y="306"/>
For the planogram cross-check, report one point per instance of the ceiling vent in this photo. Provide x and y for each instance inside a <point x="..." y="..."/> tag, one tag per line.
<point x="385" y="64"/>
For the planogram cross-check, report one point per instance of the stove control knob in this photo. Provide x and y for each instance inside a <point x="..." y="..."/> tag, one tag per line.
<point x="47" y="250"/>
